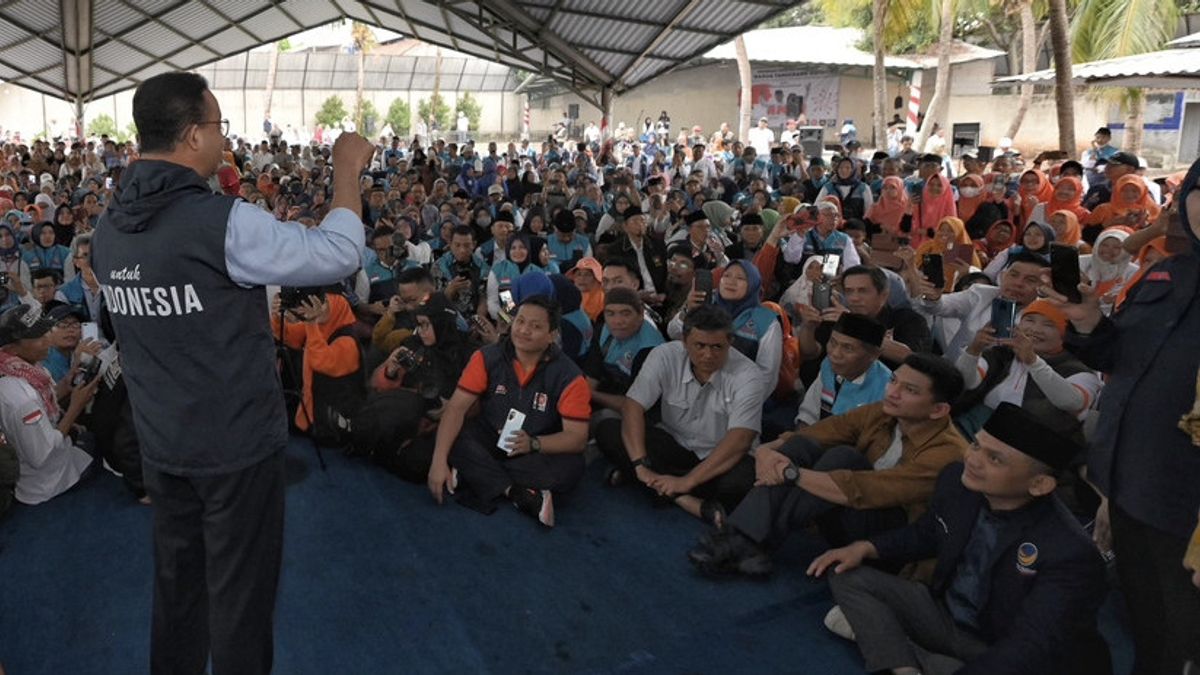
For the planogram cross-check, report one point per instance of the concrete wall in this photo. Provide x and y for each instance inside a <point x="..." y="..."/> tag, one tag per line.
<point x="1039" y="130"/>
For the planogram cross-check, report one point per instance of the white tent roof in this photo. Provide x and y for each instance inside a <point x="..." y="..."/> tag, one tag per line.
<point x="1167" y="69"/>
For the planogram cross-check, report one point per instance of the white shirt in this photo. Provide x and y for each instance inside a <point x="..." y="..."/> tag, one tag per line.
<point x="762" y="139"/>
<point x="50" y="462"/>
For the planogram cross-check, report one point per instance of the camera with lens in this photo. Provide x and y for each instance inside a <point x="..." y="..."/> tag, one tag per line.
<point x="399" y="248"/>
<point x="408" y="359"/>
<point x="290" y="297"/>
<point x="462" y="269"/>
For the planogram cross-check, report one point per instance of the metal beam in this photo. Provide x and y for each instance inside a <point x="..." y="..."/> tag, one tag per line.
<point x="658" y="39"/>
<point x="506" y="9"/>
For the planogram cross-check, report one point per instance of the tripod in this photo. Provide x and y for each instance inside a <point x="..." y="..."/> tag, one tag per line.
<point x="283" y="356"/>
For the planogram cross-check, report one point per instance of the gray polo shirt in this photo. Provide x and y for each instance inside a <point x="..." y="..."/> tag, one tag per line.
<point x="698" y="415"/>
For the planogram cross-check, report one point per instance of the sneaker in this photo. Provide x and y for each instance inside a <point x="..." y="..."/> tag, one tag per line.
<point x="725" y="553"/>
<point x="536" y="503"/>
<point x="837" y="623"/>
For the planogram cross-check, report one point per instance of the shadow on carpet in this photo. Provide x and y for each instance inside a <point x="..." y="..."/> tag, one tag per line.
<point x="379" y="579"/>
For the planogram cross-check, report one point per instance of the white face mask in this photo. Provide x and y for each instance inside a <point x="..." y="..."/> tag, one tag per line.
<point x="970" y="192"/>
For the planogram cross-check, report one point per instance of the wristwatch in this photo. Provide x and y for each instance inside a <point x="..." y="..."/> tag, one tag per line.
<point x="641" y="461"/>
<point x="535" y="445"/>
<point x="791" y="474"/>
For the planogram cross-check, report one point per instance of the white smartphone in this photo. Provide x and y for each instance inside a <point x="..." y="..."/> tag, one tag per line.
<point x="830" y="264"/>
<point x="91" y="330"/>
<point x="511" y="426"/>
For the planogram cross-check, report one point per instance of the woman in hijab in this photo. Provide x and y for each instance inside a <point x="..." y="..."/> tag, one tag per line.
<point x="999" y="238"/>
<point x="1068" y="196"/>
<point x="1131" y="206"/>
<point x="892" y="208"/>
<point x="853" y="194"/>
<point x="757" y="333"/>
<point x="1034" y="189"/>
<point x="12" y="262"/>
<point x="951" y="238"/>
<point x="1109" y="267"/>
<point x="46" y="253"/>
<point x="1067" y="230"/>
<point x="937" y="202"/>
<point x="502" y="276"/>
<point x="970" y="197"/>
<point x="1036" y="239"/>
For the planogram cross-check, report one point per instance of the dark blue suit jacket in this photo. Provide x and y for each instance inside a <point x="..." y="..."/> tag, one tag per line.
<point x="1039" y="614"/>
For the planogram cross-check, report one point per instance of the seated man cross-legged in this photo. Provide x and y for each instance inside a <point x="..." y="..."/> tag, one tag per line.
<point x="1017" y="584"/>
<point x="853" y="475"/>
<point x="711" y="398"/>
<point x="525" y="373"/>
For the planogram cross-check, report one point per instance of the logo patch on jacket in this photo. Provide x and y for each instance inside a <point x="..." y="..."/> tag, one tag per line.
<point x="1158" y="276"/>
<point x="540" y="401"/>
<point x="501" y="390"/>
<point x="1027" y="555"/>
<point x="33" y="417"/>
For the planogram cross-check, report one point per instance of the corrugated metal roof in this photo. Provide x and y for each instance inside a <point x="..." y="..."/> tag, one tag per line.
<point x="1192" y="40"/>
<point x="1167" y="63"/>
<point x="586" y="44"/>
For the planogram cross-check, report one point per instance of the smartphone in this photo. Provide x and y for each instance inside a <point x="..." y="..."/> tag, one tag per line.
<point x="1064" y="271"/>
<point x="932" y="268"/>
<point x="91" y="330"/>
<point x="507" y="305"/>
<point x="822" y="296"/>
<point x="1004" y="315"/>
<point x="480" y="322"/>
<point x="512" y="424"/>
<point x="961" y="253"/>
<point x="830" y="264"/>
<point x="704" y="282"/>
<point x="87" y="373"/>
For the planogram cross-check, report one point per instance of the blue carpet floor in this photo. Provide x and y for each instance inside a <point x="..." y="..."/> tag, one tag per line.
<point x="379" y="579"/>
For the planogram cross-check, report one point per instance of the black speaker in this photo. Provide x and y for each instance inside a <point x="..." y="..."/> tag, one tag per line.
<point x="573" y="111"/>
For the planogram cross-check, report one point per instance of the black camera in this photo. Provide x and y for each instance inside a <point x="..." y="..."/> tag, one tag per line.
<point x="290" y="297"/>
<point x="87" y="373"/>
<point x="399" y="248"/>
<point x="462" y="269"/>
<point x="408" y="359"/>
<point x="3" y="278"/>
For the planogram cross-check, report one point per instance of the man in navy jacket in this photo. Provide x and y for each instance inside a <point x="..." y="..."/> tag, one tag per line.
<point x="1017" y="583"/>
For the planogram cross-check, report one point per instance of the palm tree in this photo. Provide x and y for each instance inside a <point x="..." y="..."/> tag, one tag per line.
<point x="364" y="41"/>
<point x="939" y="105"/>
<point x="1029" y="50"/>
<point x="743" y="61"/>
<point x="1064" y="95"/>
<point x="879" y="73"/>
<point x="1108" y="29"/>
<point x="272" y="69"/>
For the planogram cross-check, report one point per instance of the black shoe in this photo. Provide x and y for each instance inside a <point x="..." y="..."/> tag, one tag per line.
<point x="730" y="553"/>
<point x="536" y="503"/>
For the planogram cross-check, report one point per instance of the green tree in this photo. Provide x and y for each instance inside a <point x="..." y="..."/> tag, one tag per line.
<point x="1109" y="29"/>
<point x="129" y="134"/>
<point x="370" y="119"/>
<point x="806" y="14"/>
<point x="102" y="125"/>
<point x="399" y="117"/>
<point x="332" y="112"/>
<point x="470" y="106"/>
<point x="364" y="41"/>
<point x="435" y="108"/>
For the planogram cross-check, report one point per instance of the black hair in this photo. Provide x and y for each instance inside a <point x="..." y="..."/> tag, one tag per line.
<point x="463" y="231"/>
<point x="945" y="381"/>
<point x="46" y="272"/>
<point x="710" y="319"/>
<point x="854" y="224"/>
<point x="416" y="275"/>
<point x="1025" y="256"/>
<point x="878" y="278"/>
<point x="683" y="249"/>
<point x="628" y="265"/>
<point x="164" y="106"/>
<point x="382" y="231"/>
<point x="553" y="311"/>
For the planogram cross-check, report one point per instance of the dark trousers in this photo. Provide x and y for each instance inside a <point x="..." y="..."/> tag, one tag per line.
<point x="668" y="457"/>
<point x="218" y="543"/>
<point x="488" y="472"/>
<point x="898" y="623"/>
<point x="1164" y="606"/>
<point x="769" y="513"/>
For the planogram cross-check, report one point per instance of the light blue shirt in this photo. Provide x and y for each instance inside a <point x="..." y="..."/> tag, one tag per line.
<point x="260" y="250"/>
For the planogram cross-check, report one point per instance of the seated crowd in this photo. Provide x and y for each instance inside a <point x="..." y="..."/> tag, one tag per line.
<point x="880" y="355"/>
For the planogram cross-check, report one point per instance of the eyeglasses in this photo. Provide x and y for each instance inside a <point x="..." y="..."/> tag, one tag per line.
<point x="224" y="125"/>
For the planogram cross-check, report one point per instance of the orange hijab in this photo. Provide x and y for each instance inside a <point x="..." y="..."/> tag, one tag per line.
<point x="935" y="245"/>
<point x="1072" y="234"/>
<point x="1074" y="204"/>
<point x="1157" y="244"/>
<point x="1044" y="193"/>
<point x="1119" y="206"/>
<point x="887" y="212"/>
<point x="933" y="209"/>
<point x="967" y="206"/>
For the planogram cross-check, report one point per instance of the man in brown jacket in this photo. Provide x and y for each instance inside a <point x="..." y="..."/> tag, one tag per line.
<point x="853" y="475"/>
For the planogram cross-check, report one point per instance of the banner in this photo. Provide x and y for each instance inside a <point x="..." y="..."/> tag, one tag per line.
<point x="782" y="95"/>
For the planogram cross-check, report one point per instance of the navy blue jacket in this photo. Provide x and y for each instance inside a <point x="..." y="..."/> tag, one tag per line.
<point x="1039" y="615"/>
<point x="1138" y="456"/>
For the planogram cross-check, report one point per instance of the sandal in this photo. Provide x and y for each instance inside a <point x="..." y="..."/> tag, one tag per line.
<point x="614" y="477"/>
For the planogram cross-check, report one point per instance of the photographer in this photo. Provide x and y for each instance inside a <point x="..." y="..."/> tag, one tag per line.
<point x="318" y="324"/>
<point x="461" y="273"/>
<point x="391" y="258"/>
<point x="408" y="391"/>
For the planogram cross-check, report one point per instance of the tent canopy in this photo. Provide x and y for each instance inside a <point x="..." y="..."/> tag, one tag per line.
<point x="84" y="49"/>
<point x="1177" y="68"/>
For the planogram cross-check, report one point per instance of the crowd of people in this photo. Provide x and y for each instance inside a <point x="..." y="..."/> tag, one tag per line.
<point x="966" y="373"/>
